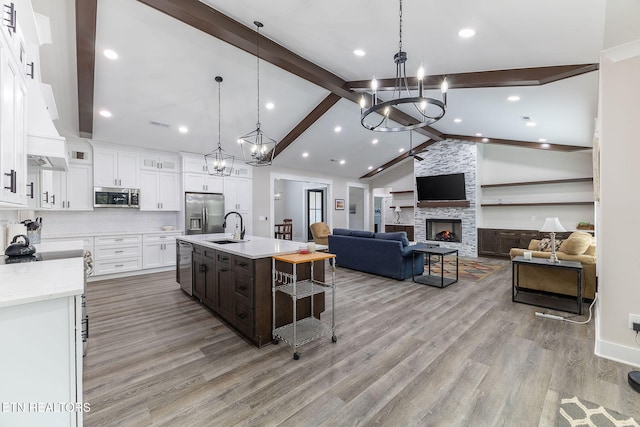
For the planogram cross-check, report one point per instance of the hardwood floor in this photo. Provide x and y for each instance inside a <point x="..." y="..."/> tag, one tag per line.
<point x="407" y="354"/>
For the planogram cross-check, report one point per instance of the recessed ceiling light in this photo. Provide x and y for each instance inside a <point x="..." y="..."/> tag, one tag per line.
<point x="513" y="98"/>
<point x="269" y="105"/>
<point x="544" y="145"/>
<point x="105" y="113"/>
<point x="542" y="139"/>
<point x="457" y="120"/>
<point x="111" y="54"/>
<point x="337" y="129"/>
<point x="359" y="52"/>
<point x="305" y="154"/>
<point x="380" y="169"/>
<point x="183" y="129"/>
<point x="375" y="141"/>
<point x="401" y="150"/>
<point x="370" y="167"/>
<point x="478" y="134"/>
<point x="467" y="32"/>
<point x="342" y="162"/>
<point x="530" y="123"/>
<point x="485" y="139"/>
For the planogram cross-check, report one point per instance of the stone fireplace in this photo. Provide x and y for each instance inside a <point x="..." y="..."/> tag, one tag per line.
<point x="444" y="230"/>
<point x="447" y="157"/>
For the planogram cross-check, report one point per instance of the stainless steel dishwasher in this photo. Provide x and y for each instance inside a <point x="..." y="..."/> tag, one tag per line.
<point x="184" y="275"/>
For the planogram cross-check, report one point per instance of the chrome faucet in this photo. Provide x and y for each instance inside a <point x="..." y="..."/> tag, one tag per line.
<point x="242" y="230"/>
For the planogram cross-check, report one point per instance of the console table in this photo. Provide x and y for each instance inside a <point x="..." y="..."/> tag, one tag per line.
<point x="434" y="280"/>
<point x="546" y="299"/>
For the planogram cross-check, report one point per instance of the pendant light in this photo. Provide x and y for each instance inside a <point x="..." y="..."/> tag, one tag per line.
<point x="257" y="148"/>
<point x="218" y="161"/>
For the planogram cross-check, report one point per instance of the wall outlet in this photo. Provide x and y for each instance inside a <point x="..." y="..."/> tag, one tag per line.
<point x="633" y="318"/>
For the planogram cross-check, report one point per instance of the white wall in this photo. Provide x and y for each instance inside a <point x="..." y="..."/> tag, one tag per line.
<point x="502" y="164"/>
<point x="397" y="178"/>
<point x="356" y="200"/>
<point x="619" y="290"/>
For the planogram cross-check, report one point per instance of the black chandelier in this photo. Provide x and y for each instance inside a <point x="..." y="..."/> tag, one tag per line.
<point x="428" y="110"/>
<point x="257" y="148"/>
<point x="218" y="162"/>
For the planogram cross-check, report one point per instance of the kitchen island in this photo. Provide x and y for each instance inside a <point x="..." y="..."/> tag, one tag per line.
<point x="40" y="322"/>
<point x="232" y="278"/>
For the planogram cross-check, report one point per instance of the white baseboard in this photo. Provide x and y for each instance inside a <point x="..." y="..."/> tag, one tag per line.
<point x="613" y="351"/>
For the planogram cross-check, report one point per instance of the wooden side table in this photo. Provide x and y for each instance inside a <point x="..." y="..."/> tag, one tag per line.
<point x="541" y="298"/>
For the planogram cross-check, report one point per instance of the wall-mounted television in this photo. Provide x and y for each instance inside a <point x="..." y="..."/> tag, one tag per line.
<point x="441" y="187"/>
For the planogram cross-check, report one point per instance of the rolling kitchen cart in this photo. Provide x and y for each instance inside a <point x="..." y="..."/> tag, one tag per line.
<point x="300" y="332"/>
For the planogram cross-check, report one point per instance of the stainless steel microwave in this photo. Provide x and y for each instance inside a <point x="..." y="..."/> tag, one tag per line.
<point x="116" y="197"/>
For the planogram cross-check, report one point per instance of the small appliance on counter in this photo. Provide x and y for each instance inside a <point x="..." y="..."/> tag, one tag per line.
<point x="20" y="249"/>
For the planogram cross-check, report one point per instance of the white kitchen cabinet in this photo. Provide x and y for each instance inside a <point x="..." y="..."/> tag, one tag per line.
<point x="159" y="250"/>
<point x="42" y="361"/>
<point x="115" y="168"/>
<point x="72" y="190"/>
<point x="13" y="159"/>
<point x="193" y="163"/>
<point x="241" y="170"/>
<point x="203" y="183"/>
<point x="154" y="160"/>
<point x="237" y="194"/>
<point x="117" y="254"/>
<point x="159" y="191"/>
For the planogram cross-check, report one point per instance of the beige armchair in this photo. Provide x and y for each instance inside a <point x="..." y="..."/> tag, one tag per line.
<point x="320" y="232"/>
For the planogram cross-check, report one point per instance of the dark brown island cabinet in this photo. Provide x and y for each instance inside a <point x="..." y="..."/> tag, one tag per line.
<point x="238" y="291"/>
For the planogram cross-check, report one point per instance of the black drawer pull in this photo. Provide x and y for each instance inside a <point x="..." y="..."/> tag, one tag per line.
<point x="242" y="316"/>
<point x="243" y="288"/>
<point x="223" y="270"/>
<point x="203" y="268"/>
<point x="224" y="258"/>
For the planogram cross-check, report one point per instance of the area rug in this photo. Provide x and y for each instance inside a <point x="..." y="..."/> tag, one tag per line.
<point x="578" y="412"/>
<point x="468" y="268"/>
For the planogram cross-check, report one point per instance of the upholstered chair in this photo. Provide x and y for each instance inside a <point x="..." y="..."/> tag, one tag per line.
<point x="320" y="232"/>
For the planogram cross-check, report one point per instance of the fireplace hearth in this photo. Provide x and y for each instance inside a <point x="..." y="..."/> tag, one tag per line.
<point x="444" y="230"/>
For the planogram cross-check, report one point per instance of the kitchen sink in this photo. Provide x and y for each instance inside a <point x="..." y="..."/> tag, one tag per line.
<point x="224" y="242"/>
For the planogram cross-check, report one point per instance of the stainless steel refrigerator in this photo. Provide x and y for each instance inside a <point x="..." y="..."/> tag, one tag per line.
<point x="204" y="213"/>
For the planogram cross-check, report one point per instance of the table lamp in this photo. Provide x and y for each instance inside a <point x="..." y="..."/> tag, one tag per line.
<point x="397" y="210"/>
<point x="551" y="225"/>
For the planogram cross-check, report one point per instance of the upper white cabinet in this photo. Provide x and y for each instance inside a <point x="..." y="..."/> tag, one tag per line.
<point x="72" y="190"/>
<point x="115" y="168"/>
<point x="155" y="160"/>
<point x="159" y="191"/>
<point x="193" y="163"/>
<point x="237" y="194"/>
<point x="195" y="175"/>
<point x="241" y="170"/>
<point x="13" y="160"/>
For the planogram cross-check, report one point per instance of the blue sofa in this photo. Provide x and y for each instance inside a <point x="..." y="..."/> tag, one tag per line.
<point x="384" y="254"/>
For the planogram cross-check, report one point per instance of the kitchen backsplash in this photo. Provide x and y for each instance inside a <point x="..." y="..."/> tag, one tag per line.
<point x="58" y="223"/>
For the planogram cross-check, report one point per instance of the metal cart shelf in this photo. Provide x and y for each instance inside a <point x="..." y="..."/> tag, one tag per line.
<point x="303" y="331"/>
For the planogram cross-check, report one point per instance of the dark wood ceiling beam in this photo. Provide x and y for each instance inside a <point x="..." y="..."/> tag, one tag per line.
<point x="398" y="159"/>
<point x="307" y="122"/>
<point x="517" y="143"/>
<point x="498" y="78"/>
<point x="86" y="12"/>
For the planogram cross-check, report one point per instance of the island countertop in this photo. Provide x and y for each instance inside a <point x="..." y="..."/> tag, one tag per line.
<point x="253" y="247"/>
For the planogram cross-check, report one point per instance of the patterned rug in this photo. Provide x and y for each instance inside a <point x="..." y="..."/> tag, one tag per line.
<point x="468" y="268"/>
<point x="577" y="412"/>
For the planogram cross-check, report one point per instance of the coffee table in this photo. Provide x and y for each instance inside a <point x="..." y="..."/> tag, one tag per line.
<point x="434" y="280"/>
<point x="546" y="299"/>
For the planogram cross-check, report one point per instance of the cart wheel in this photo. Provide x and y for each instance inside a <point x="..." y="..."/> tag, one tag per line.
<point x="296" y="356"/>
<point x="275" y="341"/>
<point x="334" y="338"/>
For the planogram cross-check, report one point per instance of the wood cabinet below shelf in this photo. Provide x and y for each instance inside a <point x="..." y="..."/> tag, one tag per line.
<point x="390" y="228"/>
<point x="498" y="242"/>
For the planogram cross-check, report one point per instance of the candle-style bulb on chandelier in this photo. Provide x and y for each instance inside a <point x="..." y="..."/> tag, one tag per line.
<point x="257" y="148"/>
<point x="424" y="109"/>
<point x="218" y="161"/>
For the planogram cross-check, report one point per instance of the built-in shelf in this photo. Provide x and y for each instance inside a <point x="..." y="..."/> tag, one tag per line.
<point x="401" y="192"/>
<point x="536" y="204"/>
<point x="402" y="207"/>
<point x="553" y="181"/>
<point x="444" y="204"/>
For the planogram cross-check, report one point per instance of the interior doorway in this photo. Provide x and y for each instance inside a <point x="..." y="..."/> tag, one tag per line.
<point x="377" y="214"/>
<point x="315" y="208"/>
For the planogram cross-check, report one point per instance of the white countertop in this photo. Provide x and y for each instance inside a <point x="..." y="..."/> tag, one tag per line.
<point x="253" y="247"/>
<point x="39" y="281"/>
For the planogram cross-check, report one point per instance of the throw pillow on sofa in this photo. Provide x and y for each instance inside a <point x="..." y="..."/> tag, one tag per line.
<point x="544" y="245"/>
<point x="576" y="245"/>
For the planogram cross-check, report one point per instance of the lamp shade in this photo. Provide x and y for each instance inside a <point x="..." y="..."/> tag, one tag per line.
<point x="552" y="225"/>
<point x="397" y="209"/>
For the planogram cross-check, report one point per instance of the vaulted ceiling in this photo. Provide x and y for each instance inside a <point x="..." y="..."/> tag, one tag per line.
<point x="170" y="51"/>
